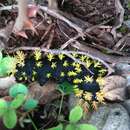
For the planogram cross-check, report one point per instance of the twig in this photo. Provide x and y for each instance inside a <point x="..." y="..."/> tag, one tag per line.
<point x="118" y="44"/>
<point x="120" y="17"/>
<point x="68" y="53"/>
<point x="113" y="59"/>
<point x="71" y="40"/>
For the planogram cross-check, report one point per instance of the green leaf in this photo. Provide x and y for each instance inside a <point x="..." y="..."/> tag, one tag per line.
<point x="18" y="101"/>
<point x="59" y="127"/>
<point x="70" y="127"/>
<point x="18" y="88"/>
<point x="75" y="114"/>
<point x="3" y="107"/>
<point x="66" y="88"/>
<point x="2" y="71"/>
<point x="30" y="104"/>
<point x="1" y="56"/>
<point x="86" y="127"/>
<point x="10" y="118"/>
<point x="7" y="65"/>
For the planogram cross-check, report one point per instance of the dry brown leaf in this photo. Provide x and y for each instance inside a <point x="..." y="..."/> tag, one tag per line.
<point x="115" y="88"/>
<point x="45" y="93"/>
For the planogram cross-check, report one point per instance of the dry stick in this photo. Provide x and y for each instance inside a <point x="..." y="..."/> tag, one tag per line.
<point x="118" y="44"/>
<point x="71" y="40"/>
<point x="108" y="58"/>
<point x="120" y="11"/>
<point x="68" y="53"/>
<point x="22" y="15"/>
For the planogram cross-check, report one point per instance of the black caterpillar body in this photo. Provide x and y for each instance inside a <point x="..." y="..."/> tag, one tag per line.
<point x="36" y="67"/>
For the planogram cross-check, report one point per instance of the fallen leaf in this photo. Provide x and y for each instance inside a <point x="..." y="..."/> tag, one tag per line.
<point x="115" y="88"/>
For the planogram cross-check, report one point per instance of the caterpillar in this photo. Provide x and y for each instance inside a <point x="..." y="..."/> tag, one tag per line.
<point x="85" y="75"/>
<point x="87" y="79"/>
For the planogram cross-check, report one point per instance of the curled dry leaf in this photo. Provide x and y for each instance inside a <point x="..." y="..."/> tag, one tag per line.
<point x="114" y="88"/>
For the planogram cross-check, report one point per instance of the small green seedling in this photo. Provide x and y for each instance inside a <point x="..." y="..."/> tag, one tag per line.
<point x="7" y="65"/>
<point x="8" y="109"/>
<point x="74" y="117"/>
<point x="65" y="88"/>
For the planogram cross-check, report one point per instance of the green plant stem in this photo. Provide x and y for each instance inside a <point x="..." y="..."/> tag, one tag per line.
<point x="34" y="126"/>
<point x="62" y="98"/>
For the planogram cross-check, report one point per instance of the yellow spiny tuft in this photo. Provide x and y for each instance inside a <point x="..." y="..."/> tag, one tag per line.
<point x="78" y="70"/>
<point x="77" y="65"/>
<point x="34" y="73"/>
<point x="61" y="56"/>
<point x="20" y="57"/>
<point x="24" y="76"/>
<point x="71" y="73"/>
<point x="48" y="75"/>
<point x="88" y="63"/>
<point x="100" y="96"/>
<point x="37" y="54"/>
<point x="73" y="64"/>
<point x="100" y="81"/>
<point x="50" y="56"/>
<point x="62" y="74"/>
<point x="75" y="55"/>
<point x="65" y="64"/>
<point x="33" y="78"/>
<point x="39" y="64"/>
<point x="53" y="65"/>
<point x="102" y="71"/>
<point x="23" y="73"/>
<point x="77" y="81"/>
<point x="88" y="79"/>
<point x="77" y="91"/>
<point x="82" y="58"/>
<point x="20" y="78"/>
<point x="97" y="64"/>
<point x="88" y="96"/>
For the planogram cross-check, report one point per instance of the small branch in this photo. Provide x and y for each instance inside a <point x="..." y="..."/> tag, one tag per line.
<point x="120" y="42"/>
<point x="71" y="40"/>
<point x="22" y="15"/>
<point x="120" y="17"/>
<point x="113" y="59"/>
